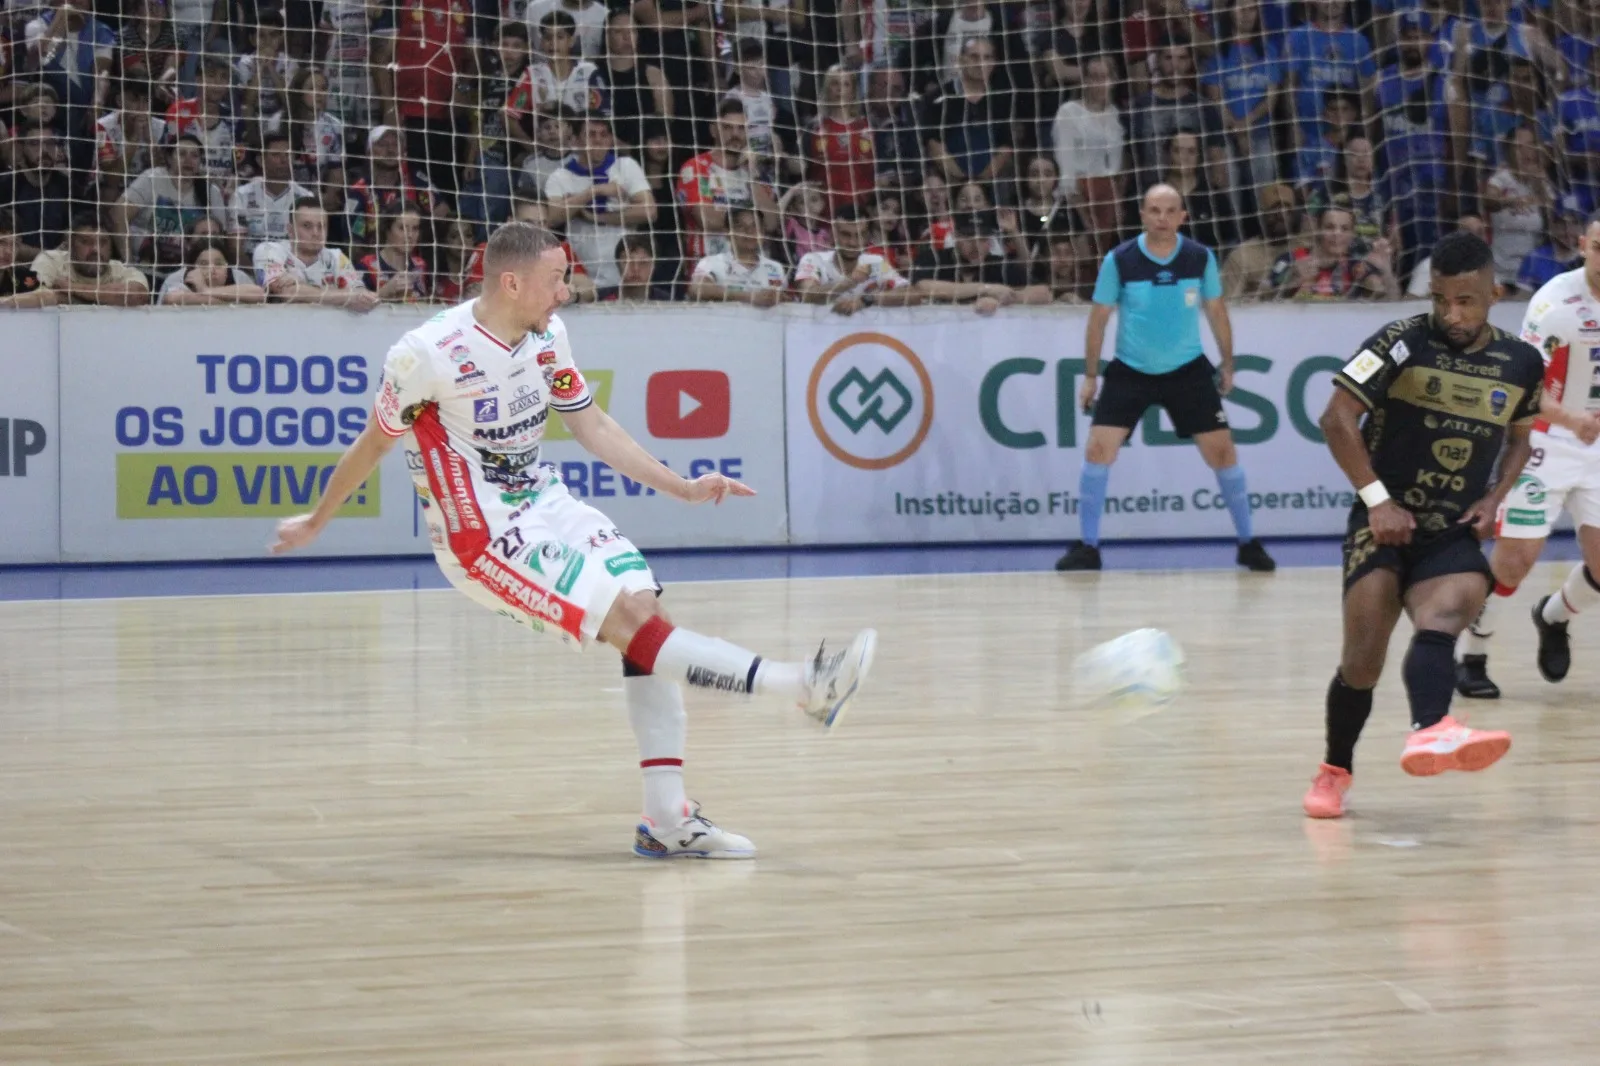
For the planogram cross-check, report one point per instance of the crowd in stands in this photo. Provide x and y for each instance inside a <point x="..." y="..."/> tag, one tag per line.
<point x="837" y="152"/>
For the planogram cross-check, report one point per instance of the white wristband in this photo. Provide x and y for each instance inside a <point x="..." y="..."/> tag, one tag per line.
<point x="1374" y="494"/>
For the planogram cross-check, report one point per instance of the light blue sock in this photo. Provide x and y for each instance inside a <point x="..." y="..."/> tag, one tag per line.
<point x="1092" y="500"/>
<point x="1234" y="490"/>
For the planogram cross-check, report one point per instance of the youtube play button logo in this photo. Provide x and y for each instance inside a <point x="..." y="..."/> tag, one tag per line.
<point x="687" y="404"/>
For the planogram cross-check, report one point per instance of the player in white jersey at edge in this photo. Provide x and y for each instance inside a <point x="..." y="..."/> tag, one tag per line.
<point x="1563" y="322"/>
<point x="470" y="391"/>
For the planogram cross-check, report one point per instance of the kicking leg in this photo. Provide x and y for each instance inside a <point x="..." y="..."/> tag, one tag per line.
<point x="823" y="687"/>
<point x="1371" y="609"/>
<point x="1440" y="608"/>
<point x="1511" y="560"/>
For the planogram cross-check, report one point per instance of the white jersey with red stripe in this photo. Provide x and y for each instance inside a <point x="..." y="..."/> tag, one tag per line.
<point x="504" y="528"/>
<point x="1563" y="322"/>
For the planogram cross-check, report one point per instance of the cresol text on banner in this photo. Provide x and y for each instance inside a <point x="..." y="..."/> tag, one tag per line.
<point x="968" y="429"/>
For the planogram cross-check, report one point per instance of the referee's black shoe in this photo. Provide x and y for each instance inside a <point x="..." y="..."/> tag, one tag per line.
<point x="1555" y="646"/>
<point x="1080" y="556"/>
<point x="1253" y="556"/>
<point x="1472" y="678"/>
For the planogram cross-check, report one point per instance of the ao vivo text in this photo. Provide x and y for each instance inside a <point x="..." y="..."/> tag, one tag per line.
<point x="250" y="424"/>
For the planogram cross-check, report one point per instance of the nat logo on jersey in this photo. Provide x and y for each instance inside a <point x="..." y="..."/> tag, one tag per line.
<point x="486" y="410"/>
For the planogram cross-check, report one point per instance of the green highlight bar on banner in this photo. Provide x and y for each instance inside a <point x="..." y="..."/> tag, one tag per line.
<point x="231" y="485"/>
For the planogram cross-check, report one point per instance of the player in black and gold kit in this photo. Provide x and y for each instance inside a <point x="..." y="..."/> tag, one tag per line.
<point x="1418" y="422"/>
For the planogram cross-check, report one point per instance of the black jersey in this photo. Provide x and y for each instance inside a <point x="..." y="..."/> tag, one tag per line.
<point x="1438" y="415"/>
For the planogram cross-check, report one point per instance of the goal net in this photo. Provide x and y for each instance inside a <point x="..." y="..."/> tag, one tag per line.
<point x="766" y="150"/>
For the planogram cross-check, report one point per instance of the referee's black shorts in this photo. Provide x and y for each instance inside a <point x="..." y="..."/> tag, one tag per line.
<point x="1189" y="395"/>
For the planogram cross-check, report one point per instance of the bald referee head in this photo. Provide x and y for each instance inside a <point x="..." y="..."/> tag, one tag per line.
<point x="1162" y="214"/>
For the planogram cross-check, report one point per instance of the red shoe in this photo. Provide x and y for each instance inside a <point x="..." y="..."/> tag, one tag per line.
<point x="1326" y="798"/>
<point x="1449" y="745"/>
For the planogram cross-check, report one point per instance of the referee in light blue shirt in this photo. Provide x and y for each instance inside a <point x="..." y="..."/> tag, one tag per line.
<point x="1158" y="283"/>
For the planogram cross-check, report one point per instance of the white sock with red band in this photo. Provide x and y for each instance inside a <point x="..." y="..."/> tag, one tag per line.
<point x="709" y="663"/>
<point x="655" y="710"/>
<point x="1578" y="593"/>
<point x="1475" y="641"/>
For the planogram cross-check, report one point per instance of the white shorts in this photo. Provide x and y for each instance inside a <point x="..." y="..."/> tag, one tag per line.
<point x="541" y="558"/>
<point x="1563" y="473"/>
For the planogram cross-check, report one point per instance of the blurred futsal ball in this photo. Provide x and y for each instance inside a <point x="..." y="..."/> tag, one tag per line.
<point x="1140" y="671"/>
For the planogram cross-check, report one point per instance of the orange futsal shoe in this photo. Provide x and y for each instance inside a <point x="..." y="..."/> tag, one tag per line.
<point x="1326" y="798"/>
<point x="1449" y="745"/>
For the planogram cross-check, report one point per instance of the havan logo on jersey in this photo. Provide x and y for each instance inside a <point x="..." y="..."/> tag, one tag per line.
<point x="526" y="397"/>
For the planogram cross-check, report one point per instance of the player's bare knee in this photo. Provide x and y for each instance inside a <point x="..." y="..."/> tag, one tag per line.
<point x="629" y="612"/>
<point x="1449" y="618"/>
<point x="1102" y="452"/>
<point x="1361" y="667"/>
<point x="1512" y="560"/>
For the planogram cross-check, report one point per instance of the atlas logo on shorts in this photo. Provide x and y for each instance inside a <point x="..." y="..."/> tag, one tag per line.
<point x="688" y="404"/>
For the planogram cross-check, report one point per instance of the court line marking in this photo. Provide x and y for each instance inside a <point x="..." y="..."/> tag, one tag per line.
<point x="699" y="581"/>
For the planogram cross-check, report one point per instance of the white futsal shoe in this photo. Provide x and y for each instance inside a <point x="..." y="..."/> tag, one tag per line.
<point x="693" y="838"/>
<point x="832" y="679"/>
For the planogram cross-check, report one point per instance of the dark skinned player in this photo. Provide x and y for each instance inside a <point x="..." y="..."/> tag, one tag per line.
<point x="1417" y="422"/>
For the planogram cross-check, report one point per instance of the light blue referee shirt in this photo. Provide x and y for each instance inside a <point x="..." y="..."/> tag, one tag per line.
<point x="1158" y="302"/>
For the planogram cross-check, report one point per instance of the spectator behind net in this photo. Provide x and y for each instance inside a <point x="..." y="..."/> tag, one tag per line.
<point x="973" y="271"/>
<point x="742" y="274"/>
<point x="83" y="272"/>
<point x="598" y="196"/>
<point x="848" y="277"/>
<point x="36" y="193"/>
<point x="971" y="140"/>
<point x="207" y="278"/>
<point x="304" y="270"/>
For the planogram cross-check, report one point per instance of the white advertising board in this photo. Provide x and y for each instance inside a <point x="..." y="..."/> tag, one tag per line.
<point x="189" y="433"/>
<point x="902" y="429"/>
<point x="30" y="446"/>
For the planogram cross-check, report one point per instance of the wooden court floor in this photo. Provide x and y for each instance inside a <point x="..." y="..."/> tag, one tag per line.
<point x="391" y="829"/>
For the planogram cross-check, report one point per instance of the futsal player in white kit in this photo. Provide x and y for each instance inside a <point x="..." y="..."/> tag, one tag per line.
<point x="469" y="393"/>
<point x="1563" y="322"/>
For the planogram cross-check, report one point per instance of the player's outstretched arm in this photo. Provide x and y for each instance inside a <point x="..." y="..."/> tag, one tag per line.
<point x="599" y="435"/>
<point x="355" y="466"/>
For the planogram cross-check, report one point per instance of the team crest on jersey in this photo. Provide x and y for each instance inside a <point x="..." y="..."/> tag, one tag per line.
<point x="566" y="384"/>
<point x="1435" y="385"/>
<point x="486" y="410"/>
<point x="1497" y="401"/>
<point x="460" y="353"/>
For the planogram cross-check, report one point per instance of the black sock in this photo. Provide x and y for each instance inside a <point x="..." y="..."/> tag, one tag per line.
<point x="1348" y="709"/>
<point x="1430" y="675"/>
